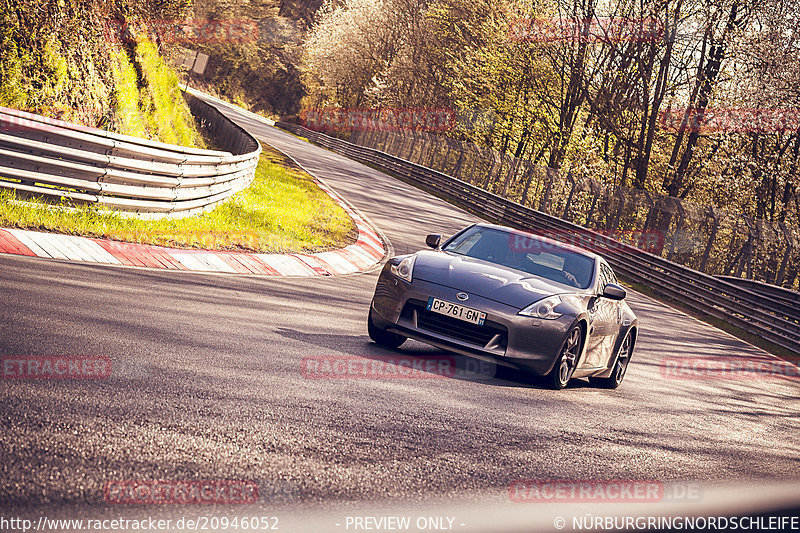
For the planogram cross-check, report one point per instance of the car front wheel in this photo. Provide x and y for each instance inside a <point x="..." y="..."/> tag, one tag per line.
<point x="567" y="360"/>
<point x="383" y="337"/>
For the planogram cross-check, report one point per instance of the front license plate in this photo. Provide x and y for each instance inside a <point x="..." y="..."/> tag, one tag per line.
<point x="456" y="311"/>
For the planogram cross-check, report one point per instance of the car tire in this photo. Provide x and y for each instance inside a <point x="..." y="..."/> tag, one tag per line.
<point x="620" y="366"/>
<point x="383" y="337"/>
<point x="567" y="361"/>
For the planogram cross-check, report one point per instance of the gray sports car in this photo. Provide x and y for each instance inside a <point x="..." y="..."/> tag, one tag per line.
<point x="513" y="298"/>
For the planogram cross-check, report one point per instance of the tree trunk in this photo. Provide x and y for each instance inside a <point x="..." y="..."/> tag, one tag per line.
<point x="706" y="84"/>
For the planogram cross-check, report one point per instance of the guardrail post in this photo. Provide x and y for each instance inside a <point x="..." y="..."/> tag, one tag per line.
<point x="786" y="255"/>
<point x="571" y="181"/>
<point x="678" y="227"/>
<point x="457" y="169"/>
<point x="494" y="160"/>
<point x="711" y="213"/>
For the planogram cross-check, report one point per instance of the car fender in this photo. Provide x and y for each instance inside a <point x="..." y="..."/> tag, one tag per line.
<point x="585" y="320"/>
<point x="623" y="331"/>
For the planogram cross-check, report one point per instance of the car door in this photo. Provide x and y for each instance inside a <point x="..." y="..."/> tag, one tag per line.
<point x="604" y="326"/>
<point x="594" y="338"/>
<point x="612" y="319"/>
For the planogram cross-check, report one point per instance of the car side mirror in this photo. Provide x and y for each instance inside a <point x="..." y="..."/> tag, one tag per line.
<point x="612" y="291"/>
<point x="433" y="240"/>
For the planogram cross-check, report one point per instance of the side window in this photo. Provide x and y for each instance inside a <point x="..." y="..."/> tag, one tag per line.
<point x="611" y="277"/>
<point x="602" y="279"/>
<point x="606" y="276"/>
<point x="465" y="244"/>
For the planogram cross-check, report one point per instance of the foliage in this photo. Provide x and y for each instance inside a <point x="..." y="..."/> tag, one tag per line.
<point x="58" y="61"/>
<point x="126" y="95"/>
<point x="161" y="103"/>
<point x="259" y="71"/>
<point x="52" y="63"/>
<point x="584" y="96"/>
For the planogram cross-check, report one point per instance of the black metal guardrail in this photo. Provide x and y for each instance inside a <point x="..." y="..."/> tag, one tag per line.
<point x="717" y="241"/>
<point x="781" y="294"/>
<point x="776" y="319"/>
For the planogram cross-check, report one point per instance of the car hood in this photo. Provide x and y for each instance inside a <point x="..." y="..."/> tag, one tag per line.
<point x="481" y="278"/>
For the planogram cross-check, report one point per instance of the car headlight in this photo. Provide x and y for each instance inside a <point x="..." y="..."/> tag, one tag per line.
<point x="544" y="308"/>
<point x="405" y="268"/>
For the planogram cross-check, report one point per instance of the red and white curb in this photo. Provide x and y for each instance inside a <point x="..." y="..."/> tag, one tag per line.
<point x="367" y="251"/>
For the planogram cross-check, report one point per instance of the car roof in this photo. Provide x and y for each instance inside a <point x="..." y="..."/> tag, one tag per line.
<point x="554" y="242"/>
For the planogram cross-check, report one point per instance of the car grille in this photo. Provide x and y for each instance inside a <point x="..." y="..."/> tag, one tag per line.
<point x="455" y="328"/>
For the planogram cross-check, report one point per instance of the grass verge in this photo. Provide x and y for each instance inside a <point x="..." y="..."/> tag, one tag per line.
<point x="282" y="211"/>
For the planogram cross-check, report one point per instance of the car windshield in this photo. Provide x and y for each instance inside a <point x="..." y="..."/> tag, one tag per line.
<point x="526" y="253"/>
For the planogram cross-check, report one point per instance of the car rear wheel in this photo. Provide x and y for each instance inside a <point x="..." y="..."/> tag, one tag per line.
<point x="567" y="360"/>
<point x="383" y="337"/>
<point x="620" y="366"/>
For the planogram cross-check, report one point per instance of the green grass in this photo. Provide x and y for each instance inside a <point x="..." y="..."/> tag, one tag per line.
<point x="147" y="99"/>
<point x="168" y="116"/>
<point x="126" y="96"/>
<point x="281" y="211"/>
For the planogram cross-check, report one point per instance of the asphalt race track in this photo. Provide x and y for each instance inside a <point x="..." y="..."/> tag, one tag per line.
<point x="207" y="384"/>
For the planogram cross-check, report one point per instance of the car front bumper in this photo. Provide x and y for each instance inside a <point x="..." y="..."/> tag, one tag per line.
<point x="506" y="337"/>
